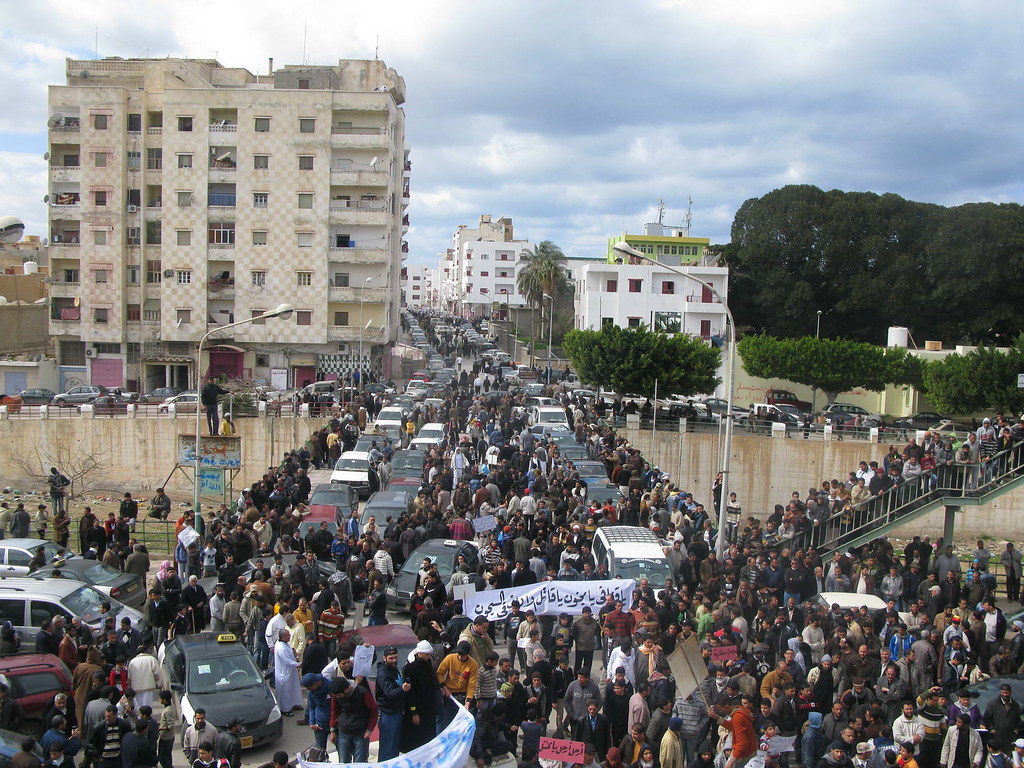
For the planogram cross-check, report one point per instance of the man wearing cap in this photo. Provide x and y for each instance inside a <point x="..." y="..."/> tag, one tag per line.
<point x="391" y="694"/>
<point x="457" y="672"/>
<point x="671" y="752"/>
<point x="1003" y="715"/>
<point x="318" y="706"/>
<point x="227" y="746"/>
<point x="353" y="718"/>
<point x="863" y="758"/>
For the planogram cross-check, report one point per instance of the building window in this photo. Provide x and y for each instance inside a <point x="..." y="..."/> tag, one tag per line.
<point x="261" y="162"/>
<point x="184" y="160"/>
<point x="307" y="125"/>
<point x="99" y="237"/>
<point x="131" y="274"/>
<point x="340" y="280"/>
<point x="259" y="278"/>
<point x="303" y="85"/>
<point x="256" y="315"/>
<point x="134" y="313"/>
<point x="341" y="318"/>
<point x="668" y="287"/>
<point x="259" y="237"/>
<point x="134" y="123"/>
<point x="303" y="278"/>
<point x="134" y="161"/>
<point x="107" y="348"/>
<point x="153" y="271"/>
<point x="611" y="286"/>
<point x="306" y="200"/>
<point x="99" y="122"/>
<point x="635" y="285"/>
<point x="305" y="239"/>
<point x="99" y="199"/>
<point x="222" y="233"/>
<point x="305" y="162"/>
<point x="184" y="236"/>
<point x="154" y="232"/>
<point x="484" y="273"/>
<point x="100" y="159"/>
<point x="101" y="315"/>
<point x="72" y="352"/>
<point x="303" y="317"/>
<point x="184" y="199"/>
<point x="185" y="124"/>
<point x="154" y="159"/>
<point x="260" y="199"/>
<point x="101" y="276"/>
<point x="183" y="276"/>
<point x="134" y="353"/>
<point x="183" y="316"/>
<point x="262" y="125"/>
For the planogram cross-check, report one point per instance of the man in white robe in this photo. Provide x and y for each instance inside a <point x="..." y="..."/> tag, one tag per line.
<point x="286" y="675"/>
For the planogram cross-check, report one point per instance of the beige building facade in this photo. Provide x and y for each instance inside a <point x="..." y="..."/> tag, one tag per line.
<point x="185" y="195"/>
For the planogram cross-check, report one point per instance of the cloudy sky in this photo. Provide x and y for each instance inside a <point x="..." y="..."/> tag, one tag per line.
<point x="574" y="118"/>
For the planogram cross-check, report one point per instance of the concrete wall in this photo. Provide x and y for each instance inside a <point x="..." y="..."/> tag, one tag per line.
<point x="765" y="471"/>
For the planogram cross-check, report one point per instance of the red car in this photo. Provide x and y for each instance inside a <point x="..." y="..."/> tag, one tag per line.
<point x="399" y="635"/>
<point x="32" y="680"/>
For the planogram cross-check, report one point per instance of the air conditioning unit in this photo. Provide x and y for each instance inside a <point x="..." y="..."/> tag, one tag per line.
<point x="168" y="273"/>
<point x="133" y="208"/>
<point x="90" y="352"/>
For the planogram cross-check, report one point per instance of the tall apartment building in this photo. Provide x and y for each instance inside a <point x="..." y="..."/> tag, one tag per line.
<point x="479" y="271"/>
<point x="417" y="284"/>
<point x="185" y="195"/>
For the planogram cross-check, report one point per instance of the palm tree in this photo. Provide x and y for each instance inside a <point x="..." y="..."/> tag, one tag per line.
<point x="541" y="271"/>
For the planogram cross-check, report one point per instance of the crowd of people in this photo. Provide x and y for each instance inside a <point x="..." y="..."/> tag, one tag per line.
<point x="793" y="681"/>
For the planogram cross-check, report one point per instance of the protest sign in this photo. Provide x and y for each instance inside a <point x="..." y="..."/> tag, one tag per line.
<point x="549" y="598"/>
<point x="561" y="749"/>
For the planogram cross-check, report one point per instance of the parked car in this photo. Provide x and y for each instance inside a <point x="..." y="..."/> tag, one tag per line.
<point x="444" y="552"/>
<point x="159" y="395"/>
<point x="785" y="397"/>
<point x="875" y="419"/>
<point x="32" y="679"/>
<point x="80" y="395"/>
<point x="37" y="396"/>
<point x="337" y="496"/>
<point x="19" y="557"/>
<point x="128" y="588"/>
<point x="185" y="402"/>
<point x="920" y="420"/>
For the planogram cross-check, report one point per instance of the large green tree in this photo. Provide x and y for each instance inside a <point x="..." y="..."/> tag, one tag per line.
<point x="983" y="379"/>
<point x="870" y="261"/>
<point x="630" y="361"/>
<point x="832" y="365"/>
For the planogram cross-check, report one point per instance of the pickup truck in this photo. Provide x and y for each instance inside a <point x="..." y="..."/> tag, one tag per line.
<point x="785" y="397"/>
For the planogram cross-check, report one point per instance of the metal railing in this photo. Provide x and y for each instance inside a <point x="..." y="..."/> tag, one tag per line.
<point x="948" y="486"/>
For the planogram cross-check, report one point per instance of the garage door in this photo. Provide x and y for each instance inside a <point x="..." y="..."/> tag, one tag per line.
<point x="107" y="373"/>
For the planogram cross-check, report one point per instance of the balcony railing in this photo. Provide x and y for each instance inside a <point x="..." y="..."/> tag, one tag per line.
<point x="223" y="127"/>
<point x="221" y="199"/>
<point x="154" y="131"/>
<point x="350" y="130"/>
<point x="359" y="205"/>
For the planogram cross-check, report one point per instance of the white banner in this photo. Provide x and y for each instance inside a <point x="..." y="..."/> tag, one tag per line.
<point x="549" y="598"/>
<point x="449" y="750"/>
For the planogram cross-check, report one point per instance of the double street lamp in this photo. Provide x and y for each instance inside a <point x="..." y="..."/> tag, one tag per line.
<point x="283" y="310"/>
<point x="362" y="330"/>
<point x="551" y="323"/>
<point x="723" y="519"/>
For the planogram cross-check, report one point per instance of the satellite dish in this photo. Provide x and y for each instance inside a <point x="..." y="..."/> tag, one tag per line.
<point x="11" y="229"/>
<point x="223" y="157"/>
<point x="46" y="242"/>
<point x="77" y="302"/>
<point x="47" y="279"/>
<point x="46" y="198"/>
<point x="46" y="155"/>
<point x="84" y="74"/>
<point x="55" y="119"/>
<point x="373" y="162"/>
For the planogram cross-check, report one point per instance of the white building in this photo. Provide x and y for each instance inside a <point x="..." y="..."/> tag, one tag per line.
<point x="480" y="270"/>
<point x="185" y="195"/>
<point x="417" y="285"/>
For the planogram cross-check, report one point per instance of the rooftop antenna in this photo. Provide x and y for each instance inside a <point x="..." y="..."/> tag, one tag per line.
<point x="96" y="42"/>
<point x="376" y="49"/>
<point x="661" y="210"/>
<point x="688" y="219"/>
<point x="304" y="42"/>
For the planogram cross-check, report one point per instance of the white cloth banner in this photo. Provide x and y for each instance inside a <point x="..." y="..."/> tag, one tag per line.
<point x="548" y="598"/>
<point x="449" y="750"/>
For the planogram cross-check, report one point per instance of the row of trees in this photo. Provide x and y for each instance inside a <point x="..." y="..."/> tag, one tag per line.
<point x="870" y="261"/>
<point x="635" y="361"/>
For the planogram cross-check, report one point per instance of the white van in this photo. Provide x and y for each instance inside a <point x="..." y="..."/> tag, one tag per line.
<point x="632" y="552"/>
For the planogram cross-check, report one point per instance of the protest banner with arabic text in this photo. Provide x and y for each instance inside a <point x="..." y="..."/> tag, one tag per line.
<point x="549" y="598"/>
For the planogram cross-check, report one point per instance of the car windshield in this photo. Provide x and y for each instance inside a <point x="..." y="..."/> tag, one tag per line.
<point x="357" y="464"/>
<point x="444" y="565"/>
<point x="51" y="552"/>
<point x="407" y="462"/>
<point x="229" y="673"/>
<point x="101" y="574"/>
<point x="434" y="434"/>
<point x="656" y="571"/>
<point x="85" y="603"/>
<point x="337" y="495"/>
<point x="591" y="470"/>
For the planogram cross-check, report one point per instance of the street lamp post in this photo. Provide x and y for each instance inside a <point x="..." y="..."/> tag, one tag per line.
<point x="283" y="310"/>
<point x="551" y="323"/>
<point x="723" y="519"/>
<point x="814" y="387"/>
<point x="362" y="330"/>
